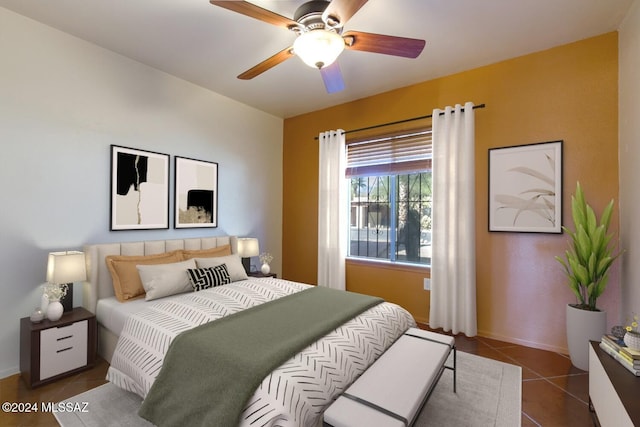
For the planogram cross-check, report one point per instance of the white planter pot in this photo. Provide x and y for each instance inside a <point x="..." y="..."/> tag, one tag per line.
<point x="583" y="326"/>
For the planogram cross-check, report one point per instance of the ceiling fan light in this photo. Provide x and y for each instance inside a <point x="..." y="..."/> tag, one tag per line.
<point x="318" y="48"/>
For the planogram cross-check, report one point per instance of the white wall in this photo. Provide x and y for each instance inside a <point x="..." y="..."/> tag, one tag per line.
<point x="62" y="103"/>
<point x="629" y="126"/>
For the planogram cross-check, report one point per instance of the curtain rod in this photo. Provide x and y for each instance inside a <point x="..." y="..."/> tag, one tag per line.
<point x="399" y="122"/>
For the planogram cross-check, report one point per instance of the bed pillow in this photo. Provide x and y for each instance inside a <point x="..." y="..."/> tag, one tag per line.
<point x="126" y="280"/>
<point x="162" y="280"/>
<point x="209" y="277"/>
<point x="233" y="262"/>
<point x="206" y="253"/>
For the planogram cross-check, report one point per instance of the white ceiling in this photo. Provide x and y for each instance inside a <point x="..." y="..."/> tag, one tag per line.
<point x="210" y="46"/>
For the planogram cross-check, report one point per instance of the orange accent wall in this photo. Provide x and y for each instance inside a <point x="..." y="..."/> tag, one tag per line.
<point x="568" y="92"/>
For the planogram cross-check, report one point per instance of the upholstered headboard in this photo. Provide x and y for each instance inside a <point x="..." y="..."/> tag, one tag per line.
<point x="99" y="284"/>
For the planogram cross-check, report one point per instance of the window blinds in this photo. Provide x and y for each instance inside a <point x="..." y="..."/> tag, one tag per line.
<point x="390" y="154"/>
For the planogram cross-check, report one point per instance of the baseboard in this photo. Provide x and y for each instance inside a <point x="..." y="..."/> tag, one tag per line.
<point x="421" y="321"/>
<point x="526" y="343"/>
<point x="5" y="373"/>
<point x="512" y="340"/>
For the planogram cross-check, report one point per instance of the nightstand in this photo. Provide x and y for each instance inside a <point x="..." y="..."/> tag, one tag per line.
<point x="53" y="350"/>
<point x="261" y="274"/>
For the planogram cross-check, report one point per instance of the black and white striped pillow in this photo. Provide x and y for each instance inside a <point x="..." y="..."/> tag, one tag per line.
<point x="205" y="278"/>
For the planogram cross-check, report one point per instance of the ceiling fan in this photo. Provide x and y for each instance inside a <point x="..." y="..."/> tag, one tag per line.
<point x="319" y="26"/>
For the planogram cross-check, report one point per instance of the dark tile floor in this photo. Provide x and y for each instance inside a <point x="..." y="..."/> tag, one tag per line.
<point x="554" y="393"/>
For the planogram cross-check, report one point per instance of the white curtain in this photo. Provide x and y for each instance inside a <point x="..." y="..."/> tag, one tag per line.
<point x="453" y="261"/>
<point x="332" y="210"/>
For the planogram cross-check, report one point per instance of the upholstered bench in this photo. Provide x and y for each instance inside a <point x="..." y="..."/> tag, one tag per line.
<point x="395" y="388"/>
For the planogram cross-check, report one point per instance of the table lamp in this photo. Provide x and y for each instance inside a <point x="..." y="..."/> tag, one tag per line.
<point x="247" y="247"/>
<point x="63" y="269"/>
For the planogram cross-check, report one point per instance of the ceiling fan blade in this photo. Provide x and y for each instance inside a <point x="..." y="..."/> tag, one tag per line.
<point x="379" y="43"/>
<point x="268" y="63"/>
<point x="332" y="78"/>
<point x="338" y="12"/>
<point x="253" y="11"/>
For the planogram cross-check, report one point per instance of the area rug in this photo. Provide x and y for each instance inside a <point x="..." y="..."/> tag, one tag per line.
<point x="489" y="393"/>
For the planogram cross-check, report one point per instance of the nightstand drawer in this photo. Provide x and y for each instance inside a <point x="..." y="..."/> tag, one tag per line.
<point x="63" y="349"/>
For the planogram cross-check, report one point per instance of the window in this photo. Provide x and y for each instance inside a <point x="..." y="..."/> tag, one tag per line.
<point x="390" y="197"/>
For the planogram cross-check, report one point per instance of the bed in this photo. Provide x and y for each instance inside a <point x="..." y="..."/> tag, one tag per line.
<point x="136" y="361"/>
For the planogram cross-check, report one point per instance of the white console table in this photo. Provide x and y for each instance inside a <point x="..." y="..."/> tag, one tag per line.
<point x="614" y="392"/>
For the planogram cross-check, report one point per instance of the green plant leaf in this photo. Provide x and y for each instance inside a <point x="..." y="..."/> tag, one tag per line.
<point x="592" y="223"/>
<point x="580" y="272"/>
<point x="564" y="264"/>
<point x="589" y="257"/>
<point x="578" y="206"/>
<point x="597" y="241"/>
<point x="583" y="245"/>
<point x="604" y="265"/>
<point x="601" y="286"/>
<point x="606" y="215"/>
<point x="590" y="288"/>
<point x="591" y="266"/>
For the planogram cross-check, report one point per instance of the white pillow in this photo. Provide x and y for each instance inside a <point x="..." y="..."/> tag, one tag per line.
<point x="234" y="265"/>
<point x="161" y="280"/>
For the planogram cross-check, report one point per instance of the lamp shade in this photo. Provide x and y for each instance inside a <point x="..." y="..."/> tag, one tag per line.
<point x="248" y="247"/>
<point x="66" y="267"/>
<point x="318" y="48"/>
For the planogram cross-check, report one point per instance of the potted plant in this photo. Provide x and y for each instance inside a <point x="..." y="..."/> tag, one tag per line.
<point x="587" y="263"/>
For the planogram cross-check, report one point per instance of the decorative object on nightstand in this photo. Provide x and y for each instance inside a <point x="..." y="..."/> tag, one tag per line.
<point x="618" y="331"/>
<point x="618" y="349"/>
<point x="632" y="340"/>
<point x="64" y="268"/>
<point x="632" y="336"/>
<point x="265" y="260"/>
<point x="37" y="316"/>
<point x="55" y="309"/>
<point x="53" y="350"/>
<point x="247" y="247"/>
<point x="54" y="293"/>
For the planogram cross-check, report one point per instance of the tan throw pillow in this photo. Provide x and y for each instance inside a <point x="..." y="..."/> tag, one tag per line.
<point x="126" y="280"/>
<point x="207" y="253"/>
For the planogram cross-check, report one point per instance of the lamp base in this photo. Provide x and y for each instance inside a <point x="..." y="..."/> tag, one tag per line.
<point x="67" y="300"/>
<point x="246" y="263"/>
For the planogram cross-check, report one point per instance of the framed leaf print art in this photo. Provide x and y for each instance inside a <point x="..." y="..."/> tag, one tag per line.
<point x="196" y="193"/>
<point x="525" y="188"/>
<point x="139" y="189"/>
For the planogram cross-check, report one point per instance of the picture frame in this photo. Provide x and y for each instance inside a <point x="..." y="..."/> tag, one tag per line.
<point x="525" y="188"/>
<point x="139" y="189"/>
<point x="196" y="193"/>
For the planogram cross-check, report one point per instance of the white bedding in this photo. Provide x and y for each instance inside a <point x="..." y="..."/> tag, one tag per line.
<point x="297" y="392"/>
<point x="112" y="314"/>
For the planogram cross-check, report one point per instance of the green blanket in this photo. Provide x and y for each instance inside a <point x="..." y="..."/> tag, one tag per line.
<point x="210" y="372"/>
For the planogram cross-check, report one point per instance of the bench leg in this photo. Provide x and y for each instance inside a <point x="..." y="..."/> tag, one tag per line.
<point x="454" y="368"/>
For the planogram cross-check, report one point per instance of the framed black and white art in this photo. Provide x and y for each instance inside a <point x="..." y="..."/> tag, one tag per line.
<point x="196" y="193"/>
<point x="525" y="188"/>
<point x="139" y="189"/>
